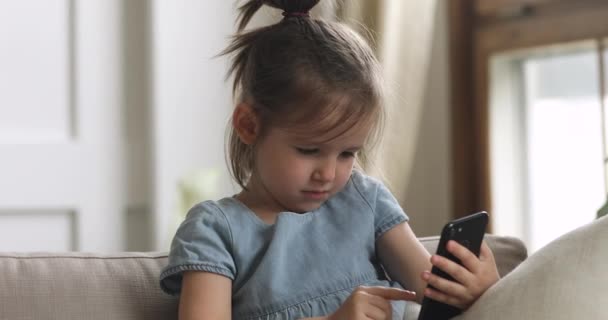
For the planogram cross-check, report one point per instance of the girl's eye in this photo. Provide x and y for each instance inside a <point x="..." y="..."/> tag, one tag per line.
<point x="306" y="151"/>
<point x="347" y="154"/>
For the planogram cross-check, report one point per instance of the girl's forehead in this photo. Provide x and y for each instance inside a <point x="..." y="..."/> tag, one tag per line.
<point x="354" y="136"/>
<point x="342" y="120"/>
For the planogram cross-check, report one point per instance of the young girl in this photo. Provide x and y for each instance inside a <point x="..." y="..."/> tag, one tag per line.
<point x="307" y="236"/>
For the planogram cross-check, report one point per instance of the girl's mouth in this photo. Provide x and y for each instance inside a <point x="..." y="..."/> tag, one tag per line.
<point x="316" y="195"/>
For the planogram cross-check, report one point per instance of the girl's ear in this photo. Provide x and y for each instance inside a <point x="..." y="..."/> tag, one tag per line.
<point x="246" y="123"/>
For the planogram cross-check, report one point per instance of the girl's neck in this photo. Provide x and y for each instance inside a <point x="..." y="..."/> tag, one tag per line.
<point x="259" y="203"/>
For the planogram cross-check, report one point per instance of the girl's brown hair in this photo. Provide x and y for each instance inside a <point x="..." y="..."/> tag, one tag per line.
<point x="302" y="73"/>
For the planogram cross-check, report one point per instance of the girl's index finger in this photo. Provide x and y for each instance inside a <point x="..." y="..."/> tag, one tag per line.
<point x="391" y="293"/>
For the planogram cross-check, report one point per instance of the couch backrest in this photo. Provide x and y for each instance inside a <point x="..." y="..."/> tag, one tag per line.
<point x="122" y="286"/>
<point x="83" y="286"/>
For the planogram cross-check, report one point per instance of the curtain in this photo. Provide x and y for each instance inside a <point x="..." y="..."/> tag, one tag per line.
<point x="410" y="39"/>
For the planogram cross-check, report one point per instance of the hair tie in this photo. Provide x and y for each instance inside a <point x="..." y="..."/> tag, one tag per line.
<point x="295" y="14"/>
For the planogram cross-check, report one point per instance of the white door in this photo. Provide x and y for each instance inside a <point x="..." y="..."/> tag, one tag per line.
<point x="70" y="168"/>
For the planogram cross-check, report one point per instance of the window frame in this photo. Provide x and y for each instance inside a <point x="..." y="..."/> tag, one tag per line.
<point x="478" y="30"/>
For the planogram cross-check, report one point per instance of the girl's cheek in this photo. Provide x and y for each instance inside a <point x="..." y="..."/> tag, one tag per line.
<point x="345" y="172"/>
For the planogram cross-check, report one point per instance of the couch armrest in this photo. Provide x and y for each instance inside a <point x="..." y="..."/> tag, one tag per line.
<point x="509" y="252"/>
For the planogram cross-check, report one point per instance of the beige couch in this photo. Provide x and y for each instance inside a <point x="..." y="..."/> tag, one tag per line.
<point x="123" y="286"/>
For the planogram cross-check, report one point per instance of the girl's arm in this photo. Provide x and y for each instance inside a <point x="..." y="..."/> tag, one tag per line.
<point x="205" y="295"/>
<point x="404" y="258"/>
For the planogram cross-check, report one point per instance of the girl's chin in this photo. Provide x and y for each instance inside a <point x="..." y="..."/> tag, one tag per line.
<point x="306" y="208"/>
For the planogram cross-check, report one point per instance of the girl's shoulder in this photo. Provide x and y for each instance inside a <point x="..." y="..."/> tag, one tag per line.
<point x="367" y="186"/>
<point x="360" y="176"/>
<point x="225" y="214"/>
<point x="206" y="211"/>
<point x="205" y="217"/>
<point x="222" y="206"/>
<point x="383" y="204"/>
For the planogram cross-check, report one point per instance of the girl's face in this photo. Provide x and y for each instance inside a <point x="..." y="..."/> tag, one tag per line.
<point x="298" y="174"/>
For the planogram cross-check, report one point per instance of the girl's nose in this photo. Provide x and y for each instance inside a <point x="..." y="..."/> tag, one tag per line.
<point x="325" y="171"/>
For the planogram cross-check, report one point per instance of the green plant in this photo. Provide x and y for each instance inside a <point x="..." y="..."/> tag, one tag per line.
<point x="603" y="210"/>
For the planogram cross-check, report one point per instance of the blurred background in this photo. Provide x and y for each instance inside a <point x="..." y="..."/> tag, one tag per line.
<point x="113" y="114"/>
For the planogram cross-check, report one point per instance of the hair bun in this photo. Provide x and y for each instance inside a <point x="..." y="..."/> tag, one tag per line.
<point x="291" y="8"/>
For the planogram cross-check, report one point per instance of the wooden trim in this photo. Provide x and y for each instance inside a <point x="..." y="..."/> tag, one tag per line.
<point x="481" y="89"/>
<point x="465" y="151"/>
<point x="576" y="24"/>
<point x="498" y="10"/>
<point x="497" y="7"/>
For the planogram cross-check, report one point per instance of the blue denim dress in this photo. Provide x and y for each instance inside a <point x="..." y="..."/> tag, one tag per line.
<point x="305" y="265"/>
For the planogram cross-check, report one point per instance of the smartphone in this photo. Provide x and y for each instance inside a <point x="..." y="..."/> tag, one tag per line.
<point x="469" y="232"/>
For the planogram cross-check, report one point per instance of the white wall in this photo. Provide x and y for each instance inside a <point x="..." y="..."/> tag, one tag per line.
<point x="176" y="105"/>
<point x="192" y="102"/>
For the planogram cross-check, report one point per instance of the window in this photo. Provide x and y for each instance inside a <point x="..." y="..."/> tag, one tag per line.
<point x="604" y="80"/>
<point x="547" y="139"/>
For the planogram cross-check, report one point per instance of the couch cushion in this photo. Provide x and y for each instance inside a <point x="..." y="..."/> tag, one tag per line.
<point x="83" y="286"/>
<point x="508" y="251"/>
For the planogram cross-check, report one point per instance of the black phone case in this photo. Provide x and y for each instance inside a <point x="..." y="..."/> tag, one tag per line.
<point x="469" y="232"/>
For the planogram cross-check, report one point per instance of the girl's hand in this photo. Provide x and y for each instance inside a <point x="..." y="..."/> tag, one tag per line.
<point x="371" y="303"/>
<point x="472" y="279"/>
